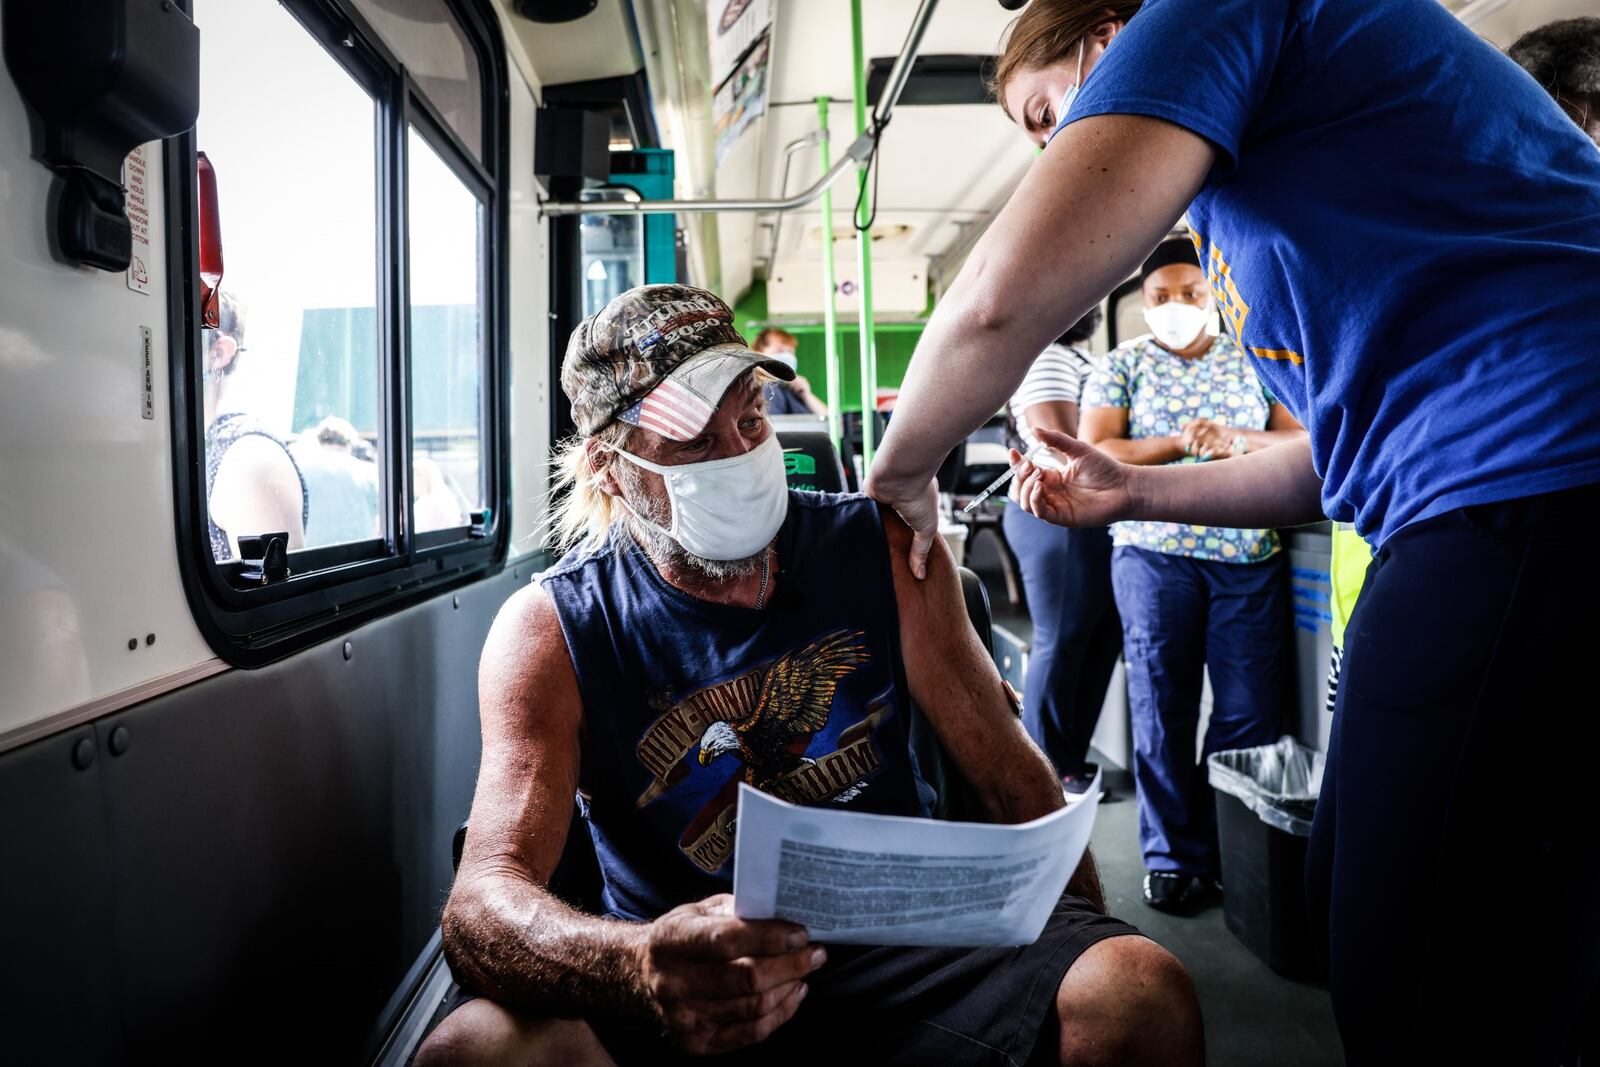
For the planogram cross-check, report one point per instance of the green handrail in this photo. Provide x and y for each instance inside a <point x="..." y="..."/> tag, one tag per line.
<point x="869" y="348"/>
<point x="829" y="289"/>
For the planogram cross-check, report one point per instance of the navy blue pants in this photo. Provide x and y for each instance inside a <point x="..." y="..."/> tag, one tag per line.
<point x="1181" y="616"/>
<point x="1455" y="855"/>
<point x="1077" y="635"/>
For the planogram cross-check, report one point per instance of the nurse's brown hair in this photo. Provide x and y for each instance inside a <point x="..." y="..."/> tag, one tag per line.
<point x="1049" y="31"/>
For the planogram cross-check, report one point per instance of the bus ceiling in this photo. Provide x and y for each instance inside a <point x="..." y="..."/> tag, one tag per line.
<point x="859" y="153"/>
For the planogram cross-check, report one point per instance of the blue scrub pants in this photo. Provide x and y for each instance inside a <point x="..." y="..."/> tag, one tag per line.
<point x="1455" y="854"/>
<point x="1179" y="616"/>
<point x="1077" y="636"/>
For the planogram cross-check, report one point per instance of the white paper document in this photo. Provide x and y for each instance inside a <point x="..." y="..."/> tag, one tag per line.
<point x="889" y="880"/>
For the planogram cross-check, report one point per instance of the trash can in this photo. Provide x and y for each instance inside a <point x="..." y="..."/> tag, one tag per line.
<point x="1265" y="799"/>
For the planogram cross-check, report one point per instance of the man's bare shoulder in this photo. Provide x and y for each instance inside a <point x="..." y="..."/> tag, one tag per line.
<point x="526" y="665"/>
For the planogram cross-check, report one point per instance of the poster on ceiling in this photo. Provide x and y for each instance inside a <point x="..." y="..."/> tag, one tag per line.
<point x="733" y="26"/>
<point x="743" y="97"/>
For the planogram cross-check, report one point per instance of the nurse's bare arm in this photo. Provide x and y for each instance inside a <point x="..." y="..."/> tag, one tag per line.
<point x="957" y="686"/>
<point x="1107" y="430"/>
<point x="1089" y="210"/>
<point x="714" y="981"/>
<point x="1272" y="488"/>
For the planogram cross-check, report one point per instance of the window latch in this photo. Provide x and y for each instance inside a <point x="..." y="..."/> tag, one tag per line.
<point x="264" y="558"/>
<point x="480" y="522"/>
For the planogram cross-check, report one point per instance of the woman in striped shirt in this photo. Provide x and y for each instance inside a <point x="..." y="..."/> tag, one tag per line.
<point x="1066" y="573"/>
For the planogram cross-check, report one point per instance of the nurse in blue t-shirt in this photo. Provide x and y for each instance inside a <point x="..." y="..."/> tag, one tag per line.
<point x="1403" y="230"/>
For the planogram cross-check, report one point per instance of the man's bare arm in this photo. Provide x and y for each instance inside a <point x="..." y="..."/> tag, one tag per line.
<point x="714" y="981"/>
<point x="957" y="686"/>
<point x="503" y="929"/>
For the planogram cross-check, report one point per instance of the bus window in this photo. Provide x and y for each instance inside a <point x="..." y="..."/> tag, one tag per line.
<point x="426" y="38"/>
<point x="446" y="297"/>
<point x="289" y="377"/>
<point x="351" y="395"/>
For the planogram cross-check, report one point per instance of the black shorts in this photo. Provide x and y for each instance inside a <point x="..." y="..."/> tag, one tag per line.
<point x="945" y="1006"/>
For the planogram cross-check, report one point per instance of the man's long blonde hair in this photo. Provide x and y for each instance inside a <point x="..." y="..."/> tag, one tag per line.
<point x="582" y="513"/>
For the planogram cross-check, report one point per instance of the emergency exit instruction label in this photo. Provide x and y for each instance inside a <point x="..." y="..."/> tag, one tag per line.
<point x="147" y="372"/>
<point x="135" y="179"/>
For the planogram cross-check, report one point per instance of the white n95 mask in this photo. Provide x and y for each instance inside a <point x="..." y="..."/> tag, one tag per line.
<point x="1176" y="324"/>
<point x="724" y="509"/>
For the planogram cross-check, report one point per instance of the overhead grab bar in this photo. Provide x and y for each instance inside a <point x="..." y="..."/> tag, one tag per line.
<point x="857" y="154"/>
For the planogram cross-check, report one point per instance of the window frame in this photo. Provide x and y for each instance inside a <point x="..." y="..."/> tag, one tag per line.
<point x="337" y="587"/>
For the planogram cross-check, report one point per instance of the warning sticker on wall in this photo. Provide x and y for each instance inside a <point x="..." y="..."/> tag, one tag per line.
<point x="135" y="179"/>
<point x="147" y="372"/>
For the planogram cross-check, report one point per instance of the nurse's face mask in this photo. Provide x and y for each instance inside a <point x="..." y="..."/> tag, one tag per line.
<point x="1067" y="98"/>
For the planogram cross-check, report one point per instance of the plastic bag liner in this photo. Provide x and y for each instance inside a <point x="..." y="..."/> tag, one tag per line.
<point x="1278" y="782"/>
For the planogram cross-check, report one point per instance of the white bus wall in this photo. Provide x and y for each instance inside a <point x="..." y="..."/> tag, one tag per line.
<point x="198" y="862"/>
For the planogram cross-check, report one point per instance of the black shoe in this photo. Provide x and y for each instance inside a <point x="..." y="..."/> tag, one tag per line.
<point x="1169" y="891"/>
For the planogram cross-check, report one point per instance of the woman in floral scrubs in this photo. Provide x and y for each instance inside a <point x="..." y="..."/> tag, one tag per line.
<point x="1190" y="597"/>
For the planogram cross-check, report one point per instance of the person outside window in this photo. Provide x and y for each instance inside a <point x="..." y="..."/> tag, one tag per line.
<point x="787" y="398"/>
<point x="253" y="485"/>
<point x="343" y="489"/>
<point x="1193" y="599"/>
<point x="1077" y="635"/>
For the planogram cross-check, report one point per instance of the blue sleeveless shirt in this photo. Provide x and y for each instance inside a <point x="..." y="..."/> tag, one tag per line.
<point x="684" y="699"/>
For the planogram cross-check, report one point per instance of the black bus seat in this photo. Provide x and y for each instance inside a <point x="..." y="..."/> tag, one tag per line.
<point x="811" y="461"/>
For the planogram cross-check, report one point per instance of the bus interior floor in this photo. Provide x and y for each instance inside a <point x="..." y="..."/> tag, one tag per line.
<point x="1252" y="1015"/>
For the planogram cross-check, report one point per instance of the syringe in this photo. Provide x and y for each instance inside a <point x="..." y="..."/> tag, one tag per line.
<point x="999" y="483"/>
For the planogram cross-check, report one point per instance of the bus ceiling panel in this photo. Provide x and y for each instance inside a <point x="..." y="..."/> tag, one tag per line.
<point x="811" y="40"/>
<point x="601" y="44"/>
<point x="100" y="78"/>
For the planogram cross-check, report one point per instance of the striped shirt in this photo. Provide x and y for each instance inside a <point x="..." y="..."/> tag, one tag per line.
<point x="1057" y="375"/>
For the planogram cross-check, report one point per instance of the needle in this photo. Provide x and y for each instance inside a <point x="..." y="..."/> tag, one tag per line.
<point x="999" y="482"/>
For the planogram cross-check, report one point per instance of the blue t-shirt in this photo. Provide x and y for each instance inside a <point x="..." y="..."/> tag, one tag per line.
<point x="1404" y="230"/>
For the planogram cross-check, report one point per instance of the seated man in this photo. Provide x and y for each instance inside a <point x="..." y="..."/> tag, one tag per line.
<point x="714" y="628"/>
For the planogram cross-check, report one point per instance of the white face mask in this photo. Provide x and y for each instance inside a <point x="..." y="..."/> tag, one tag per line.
<point x="788" y="359"/>
<point x="1176" y="324"/>
<point x="724" y="509"/>
<point x="1068" y="97"/>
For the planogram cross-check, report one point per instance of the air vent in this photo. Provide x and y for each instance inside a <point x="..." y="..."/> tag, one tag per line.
<point x="951" y="79"/>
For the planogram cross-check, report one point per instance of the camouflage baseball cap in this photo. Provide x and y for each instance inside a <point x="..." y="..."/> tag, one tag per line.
<point x="659" y="356"/>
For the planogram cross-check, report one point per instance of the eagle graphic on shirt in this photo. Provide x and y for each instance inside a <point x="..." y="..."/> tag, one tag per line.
<point x="765" y="719"/>
<point x="796" y="697"/>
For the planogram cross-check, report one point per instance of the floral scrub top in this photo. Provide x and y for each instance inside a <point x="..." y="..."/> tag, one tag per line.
<point x="1162" y="392"/>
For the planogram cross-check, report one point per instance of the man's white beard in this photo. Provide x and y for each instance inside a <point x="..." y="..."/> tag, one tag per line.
<point x="663" y="549"/>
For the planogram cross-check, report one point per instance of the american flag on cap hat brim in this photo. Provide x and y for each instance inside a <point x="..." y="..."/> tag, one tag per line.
<point x="672" y="410"/>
